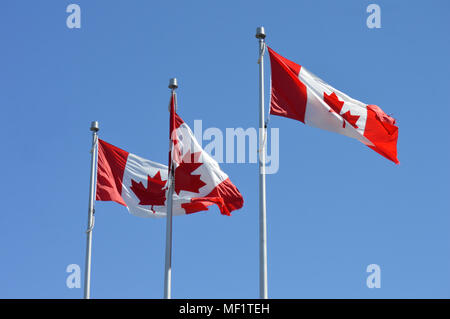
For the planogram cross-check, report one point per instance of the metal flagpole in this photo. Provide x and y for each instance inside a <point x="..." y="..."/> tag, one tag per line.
<point x="261" y="35"/>
<point x="87" y="275"/>
<point x="168" y="264"/>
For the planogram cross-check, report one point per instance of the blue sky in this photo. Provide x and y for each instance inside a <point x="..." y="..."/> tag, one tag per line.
<point x="334" y="206"/>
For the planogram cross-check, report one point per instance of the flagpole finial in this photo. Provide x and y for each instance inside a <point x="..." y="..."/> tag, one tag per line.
<point x="260" y="33"/>
<point x="173" y="84"/>
<point x="94" y="126"/>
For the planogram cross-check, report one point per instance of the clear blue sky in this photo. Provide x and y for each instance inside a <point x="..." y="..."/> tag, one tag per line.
<point x="334" y="207"/>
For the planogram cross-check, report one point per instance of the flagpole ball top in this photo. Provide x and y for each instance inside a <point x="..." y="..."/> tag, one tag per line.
<point x="173" y="84"/>
<point x="94" y="126"/>
<point x="260" y="33"/>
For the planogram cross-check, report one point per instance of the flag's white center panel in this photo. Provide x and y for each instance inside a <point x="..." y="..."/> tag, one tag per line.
<point x="347" y="116"/>
<point x="140" y="170"/>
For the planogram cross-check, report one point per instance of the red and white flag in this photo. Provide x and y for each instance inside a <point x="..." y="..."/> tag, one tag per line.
<point x="141" y="185"/>
<point x="199" y="181"/>
<point x="298" y="94"/>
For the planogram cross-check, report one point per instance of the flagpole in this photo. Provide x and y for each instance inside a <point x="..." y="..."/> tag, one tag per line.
<point x="87" y="274"/>
<point x="168" y="263"/>
<point x="263" y="294"/>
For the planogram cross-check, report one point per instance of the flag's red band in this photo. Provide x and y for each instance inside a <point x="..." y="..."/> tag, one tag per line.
<point x="110" y="167"/>
<point x="288" y="96"/>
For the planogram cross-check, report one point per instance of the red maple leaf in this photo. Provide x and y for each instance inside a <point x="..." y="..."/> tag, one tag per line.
<point x="153" y="194"/>
<point x="336" y="105"/>
<point x="184" y="180"/>
<point x="333" y="101"/>
<point x="352" y="119"/>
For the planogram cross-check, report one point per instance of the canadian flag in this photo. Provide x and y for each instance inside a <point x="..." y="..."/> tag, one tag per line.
<point x="298" y="94"/>
<point x="141" y="185"/>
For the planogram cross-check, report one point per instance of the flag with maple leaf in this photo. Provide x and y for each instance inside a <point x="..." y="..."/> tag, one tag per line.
<point x="298" y="94"/>
<point x="141" y="184"/>
<point x="197" y="176"/>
